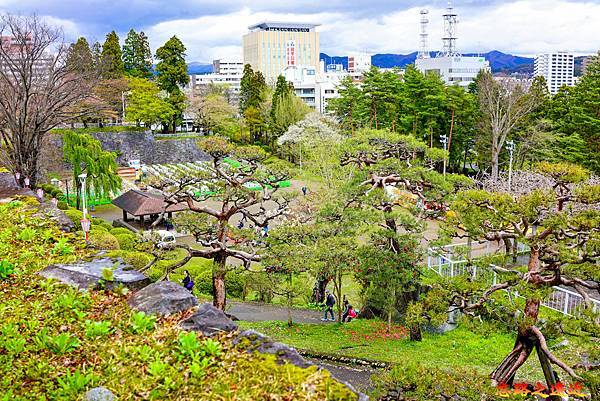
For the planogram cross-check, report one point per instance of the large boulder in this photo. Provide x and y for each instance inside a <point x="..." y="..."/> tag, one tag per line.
<point x="85" y="275"/>
<point x="163" y="298"/>
<point x="208" y="320"/>
<point x="253" y="341"/>
<point x="58" y="216"/>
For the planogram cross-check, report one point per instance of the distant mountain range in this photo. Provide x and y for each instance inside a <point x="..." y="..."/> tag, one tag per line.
<point x="500" y="62"/>
<point x="199" y="68"/>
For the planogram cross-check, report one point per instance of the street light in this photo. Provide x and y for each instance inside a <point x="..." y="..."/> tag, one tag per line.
<point x="444" y="140"/>
<point x="510" y="145"/>
<point x="85" y="222"/>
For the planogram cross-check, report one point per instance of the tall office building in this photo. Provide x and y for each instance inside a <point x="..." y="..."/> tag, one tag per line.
<point x="557" y="68"/>
<point x="271" y="47"/>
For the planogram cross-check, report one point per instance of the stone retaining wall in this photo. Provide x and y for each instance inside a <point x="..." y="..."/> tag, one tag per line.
<point x="129" y="146"/>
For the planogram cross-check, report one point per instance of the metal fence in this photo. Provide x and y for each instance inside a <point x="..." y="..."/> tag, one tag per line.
<point x="441" y="261"/>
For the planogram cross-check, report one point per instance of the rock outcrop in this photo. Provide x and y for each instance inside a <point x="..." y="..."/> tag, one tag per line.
<point x="254" y="341"/>
<point x="85" y="275"/>
<point x="208" y="320"/>
<point x="163" y="298"/>
<point x="58" y="216"/>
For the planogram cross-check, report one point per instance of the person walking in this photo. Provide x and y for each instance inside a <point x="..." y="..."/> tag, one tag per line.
<point x="329" y="303"/>
<point x="188" y="283"/>
<point x="304" y="190"/>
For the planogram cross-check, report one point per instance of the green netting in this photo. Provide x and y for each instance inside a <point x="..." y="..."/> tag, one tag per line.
<point x="91" y="200"/>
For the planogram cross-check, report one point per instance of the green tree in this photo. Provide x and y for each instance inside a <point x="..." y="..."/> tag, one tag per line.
<point x="288" y="110"/>
<point x="347" y="106"/>
<point x="85" y="155"/>
<point x="553" y="210"/>
<point x="79" y="57"/>
<point x="213" y="113"/>
<point x="145" y="103"/>
<point x="111" y="58"/>
<point x="213" y="226"/>
<point x="172" y="74"/>
<point x="252" y="89"/>
<point x="282" y="89"/>
<point x="585" y="111"/>
<point x="137" y="57"/>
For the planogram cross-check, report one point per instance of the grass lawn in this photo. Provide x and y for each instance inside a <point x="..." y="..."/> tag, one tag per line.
<point x="367" y="339"/>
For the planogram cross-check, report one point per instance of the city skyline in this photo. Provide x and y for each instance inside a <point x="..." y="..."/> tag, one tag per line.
<point x="212" y="30"/>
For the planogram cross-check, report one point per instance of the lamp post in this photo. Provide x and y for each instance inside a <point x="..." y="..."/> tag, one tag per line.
<point x="510" y="145"/>
<point x="85" y="222"/>
<point x="444" y="139"/>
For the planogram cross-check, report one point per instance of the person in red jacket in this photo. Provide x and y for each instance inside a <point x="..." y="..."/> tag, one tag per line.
<point x="350" y="314"/>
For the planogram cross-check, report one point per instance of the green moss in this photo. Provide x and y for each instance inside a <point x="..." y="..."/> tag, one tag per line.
<point x="126" y="241"/>
<point x="100" y="239"/>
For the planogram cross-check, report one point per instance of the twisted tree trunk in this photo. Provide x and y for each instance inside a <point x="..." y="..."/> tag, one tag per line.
<point x="530" y="337"/>
<point x="218" y="279"/>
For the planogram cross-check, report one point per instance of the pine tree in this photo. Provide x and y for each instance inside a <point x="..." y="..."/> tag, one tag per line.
<point x="137" y="57"/>
<point x="246" y="88"/>
<point x="172" y="73"/>
<point x="143" y="57"/>
<point x="112" y="62"/>
<point x="585" y="110"/>
<point x="80" y="56"/>
<point x="96" y="54"/>
<point x="282" y="89"/>
<point x="129" y="52"/>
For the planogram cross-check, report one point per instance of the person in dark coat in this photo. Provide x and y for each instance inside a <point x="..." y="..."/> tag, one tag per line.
<point x="329" y="303"/>
<point x="188" y="283"/>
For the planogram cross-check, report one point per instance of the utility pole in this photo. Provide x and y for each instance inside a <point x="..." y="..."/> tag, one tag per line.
<point x="510" y="145"/>
<point x="444" y="139"/>
<point x="85" y="222"/>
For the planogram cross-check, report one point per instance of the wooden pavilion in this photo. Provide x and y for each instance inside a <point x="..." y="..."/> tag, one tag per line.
<point x="140" y="204"/>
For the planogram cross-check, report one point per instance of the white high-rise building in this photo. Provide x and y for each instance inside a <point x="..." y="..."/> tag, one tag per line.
<point x="557" y="68"/>
<point x="227" y="72"/>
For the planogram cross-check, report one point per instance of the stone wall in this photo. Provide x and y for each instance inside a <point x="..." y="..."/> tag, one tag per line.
<point x="143" y="146"/>
<point x="129" y="146"/>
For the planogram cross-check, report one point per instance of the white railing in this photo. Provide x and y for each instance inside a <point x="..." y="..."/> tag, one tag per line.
<point x="561" y="299"/>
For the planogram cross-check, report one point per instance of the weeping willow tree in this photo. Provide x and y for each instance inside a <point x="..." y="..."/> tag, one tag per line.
<point x="85" y="155"/>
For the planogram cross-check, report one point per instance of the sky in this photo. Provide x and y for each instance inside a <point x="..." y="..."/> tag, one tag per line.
<point x="212" y="29"/>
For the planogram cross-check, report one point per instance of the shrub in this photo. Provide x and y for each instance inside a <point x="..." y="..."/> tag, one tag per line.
<point x="234" y="283"/>
<point x="101" y="223"/>
<point x="120" y="230"/>
<point x="75" y="216"/>
<point x="62" y="205"/>
<point x="126" y="241"/>
<point x="136" y="259"/>
<point x="98" y="227"/>
<point x="413" y="381"/>
<point x="103" y="240"/>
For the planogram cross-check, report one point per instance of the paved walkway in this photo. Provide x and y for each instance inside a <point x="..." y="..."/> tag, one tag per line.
<point x="358" y="376"/>
<point x="255" y="312"/>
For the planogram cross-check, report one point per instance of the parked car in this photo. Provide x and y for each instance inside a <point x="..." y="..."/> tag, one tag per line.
<point x="167" y="239"/>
